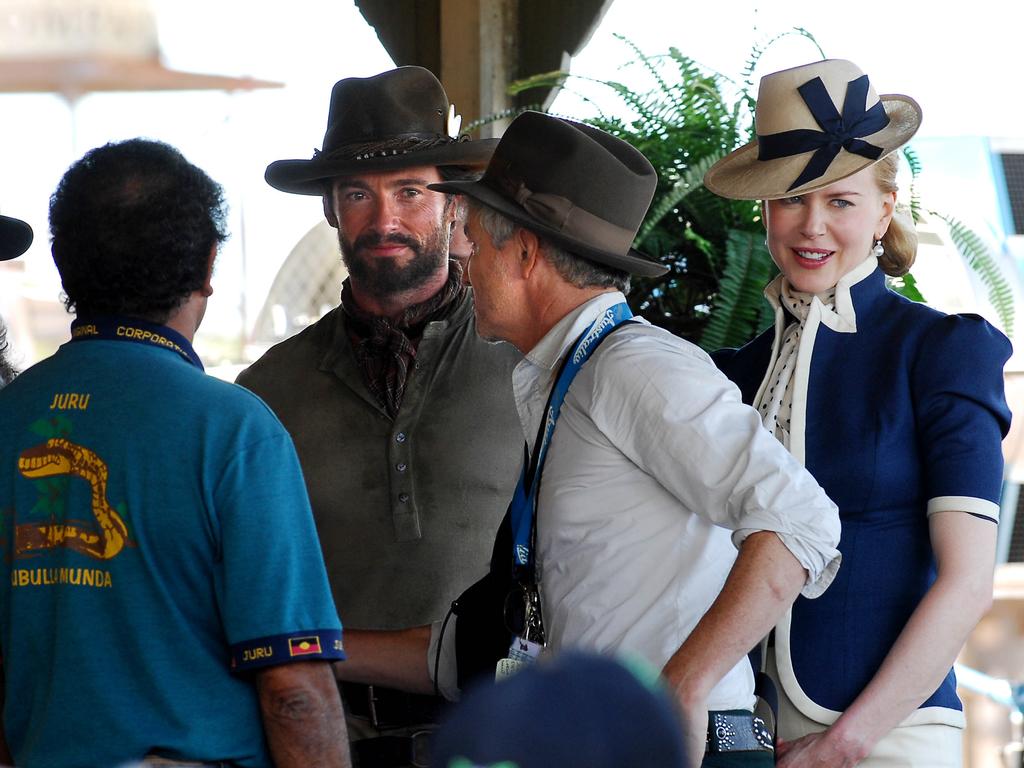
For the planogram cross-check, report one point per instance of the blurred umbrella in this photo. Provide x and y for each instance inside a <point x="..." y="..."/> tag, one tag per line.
<point x="75" y="47"/>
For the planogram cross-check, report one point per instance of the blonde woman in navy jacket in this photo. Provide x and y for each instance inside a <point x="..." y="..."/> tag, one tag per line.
<point x="896" y="409"/>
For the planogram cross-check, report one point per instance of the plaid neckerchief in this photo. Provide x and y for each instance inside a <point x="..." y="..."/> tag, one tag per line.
<point x="386" y="351"/>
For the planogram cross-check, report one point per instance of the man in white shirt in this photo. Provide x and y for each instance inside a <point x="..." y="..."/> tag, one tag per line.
<point x="656" y="473"/>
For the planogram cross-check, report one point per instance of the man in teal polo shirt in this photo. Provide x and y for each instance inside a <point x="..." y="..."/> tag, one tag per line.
<point x="162" y="594"/>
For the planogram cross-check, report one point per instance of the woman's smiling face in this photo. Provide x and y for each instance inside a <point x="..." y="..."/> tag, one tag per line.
<point x="818" y="237"/>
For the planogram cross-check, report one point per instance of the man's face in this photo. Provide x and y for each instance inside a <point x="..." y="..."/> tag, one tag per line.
<point x="491" y="275"/>
<point x="393" y="231"/>
<point x="459" y="247"/>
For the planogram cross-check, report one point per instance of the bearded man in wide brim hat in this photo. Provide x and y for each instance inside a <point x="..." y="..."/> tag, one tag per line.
<point x="15" y="239"/>
<point x="402" y="416"/>
<point x="654" y="473"/>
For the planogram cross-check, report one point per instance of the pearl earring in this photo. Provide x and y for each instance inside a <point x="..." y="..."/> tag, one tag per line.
<point x="878" y="251"/>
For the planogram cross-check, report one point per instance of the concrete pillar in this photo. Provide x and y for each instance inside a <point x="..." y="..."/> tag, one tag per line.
<point x="478" y="56"/>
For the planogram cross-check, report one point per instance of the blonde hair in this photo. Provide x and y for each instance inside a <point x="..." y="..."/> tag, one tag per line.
<point x="900" y="239"/>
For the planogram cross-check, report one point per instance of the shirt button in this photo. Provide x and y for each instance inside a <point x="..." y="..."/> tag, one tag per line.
<point x="400" y="437"/>
<point x="403" y="497"/>
<point x="401" y="466"/>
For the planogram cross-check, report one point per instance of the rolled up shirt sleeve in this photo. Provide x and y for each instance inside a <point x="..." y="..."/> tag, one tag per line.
<point x="666" y="407"/>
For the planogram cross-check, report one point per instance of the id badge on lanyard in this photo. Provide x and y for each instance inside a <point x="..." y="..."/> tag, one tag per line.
<point x="526" y="646"/>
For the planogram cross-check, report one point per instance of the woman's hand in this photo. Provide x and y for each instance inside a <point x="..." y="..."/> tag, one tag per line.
<point x="964" y="548"/>
<point x="818" y="750"/>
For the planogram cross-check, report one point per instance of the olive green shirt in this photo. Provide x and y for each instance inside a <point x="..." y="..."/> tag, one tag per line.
<point x="406" y="509"/>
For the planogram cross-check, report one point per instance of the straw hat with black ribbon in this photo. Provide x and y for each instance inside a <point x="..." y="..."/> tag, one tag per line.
<point x="397" y="119"/>
<point x="15" y="237"/>
<point x="579" y="187"/>
<point x="815" y="124"/>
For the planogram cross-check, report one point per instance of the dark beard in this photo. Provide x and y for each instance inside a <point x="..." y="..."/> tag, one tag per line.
<point x="7" y="369"/>
<point x="384" y="276"/>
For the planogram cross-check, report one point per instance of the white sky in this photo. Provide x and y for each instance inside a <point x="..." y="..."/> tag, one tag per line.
<point x="959" y="61"/>
<point x="961" y="66"/>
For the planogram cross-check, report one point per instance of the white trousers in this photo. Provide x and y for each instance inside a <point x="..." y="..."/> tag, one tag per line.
<point x="931" y="745"/>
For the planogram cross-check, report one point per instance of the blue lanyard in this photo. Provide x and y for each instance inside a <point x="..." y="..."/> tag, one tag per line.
<point x="523" y="509"/>
<point x="132" y="329"/>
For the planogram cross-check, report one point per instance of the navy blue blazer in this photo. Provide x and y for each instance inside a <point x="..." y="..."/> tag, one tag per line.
<point x="898" y="412"/>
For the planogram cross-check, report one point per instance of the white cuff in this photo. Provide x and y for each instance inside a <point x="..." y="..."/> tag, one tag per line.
<point x="821" y="561"/>
<point x="444" y="673"/>
<point x="971" y="504"/>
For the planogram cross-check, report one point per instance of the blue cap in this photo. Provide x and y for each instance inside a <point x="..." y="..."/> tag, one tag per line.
<point x="575" y="711"/>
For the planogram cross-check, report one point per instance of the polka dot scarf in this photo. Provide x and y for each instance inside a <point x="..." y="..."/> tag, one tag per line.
<point x="776" y="403"/>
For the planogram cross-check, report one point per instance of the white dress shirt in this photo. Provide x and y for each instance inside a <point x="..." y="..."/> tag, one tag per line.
<point x="655" y="475"/>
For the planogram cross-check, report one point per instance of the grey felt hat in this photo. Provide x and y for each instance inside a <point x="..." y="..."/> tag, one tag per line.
<point x="578" y="186"/>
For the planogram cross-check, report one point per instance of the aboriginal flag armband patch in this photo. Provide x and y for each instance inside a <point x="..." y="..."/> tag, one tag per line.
<point x="307" y="645"/>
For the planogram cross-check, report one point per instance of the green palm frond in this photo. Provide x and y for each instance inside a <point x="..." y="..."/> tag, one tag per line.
<point x="914" y="163"/>
<point x="505" y="114"/>
<point x="692" y="178"/>
<point x="737" y="311"/>
<point x="981" y="259"/>
<point x="554" y="79"/>
<point x="906" y="286"/>
<point x="758" y="50"/>
<point x="647" y="61"/>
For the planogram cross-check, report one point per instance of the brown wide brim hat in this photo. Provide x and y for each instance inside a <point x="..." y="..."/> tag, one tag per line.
<point x="15" y="237"/>
<point x="815" y="124"/>
<point x="581" y="188"/>
<point x="397" y="119"/>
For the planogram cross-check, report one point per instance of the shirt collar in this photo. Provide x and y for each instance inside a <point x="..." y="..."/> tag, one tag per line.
<point x="844" y="314"/>
<point x="534" y="374"/>
<point x="550" y="349"/>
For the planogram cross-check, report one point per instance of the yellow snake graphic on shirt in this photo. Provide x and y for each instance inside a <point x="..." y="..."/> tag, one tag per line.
<point x="56" y="457"/>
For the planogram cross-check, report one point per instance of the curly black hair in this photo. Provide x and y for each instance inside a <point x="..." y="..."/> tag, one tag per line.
<point x="132" y="226"/>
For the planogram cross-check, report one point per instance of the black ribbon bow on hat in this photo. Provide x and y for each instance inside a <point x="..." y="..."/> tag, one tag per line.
<point x="837" y="131"/>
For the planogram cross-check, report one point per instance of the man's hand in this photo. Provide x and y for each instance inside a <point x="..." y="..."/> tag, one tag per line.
<point x="391" y="658"/>
<point x="302" y="716"/>
<point x="695" y="729"/>
<point x="763" y="582"/>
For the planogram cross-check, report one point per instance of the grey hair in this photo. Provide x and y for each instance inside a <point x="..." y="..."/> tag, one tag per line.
<point x="576" y="270"/>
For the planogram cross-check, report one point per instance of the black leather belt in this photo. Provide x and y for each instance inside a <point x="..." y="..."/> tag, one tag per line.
<point x="736" y="730"/>
<point x="393" y="751"/>
<point x="388" y="708"/>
